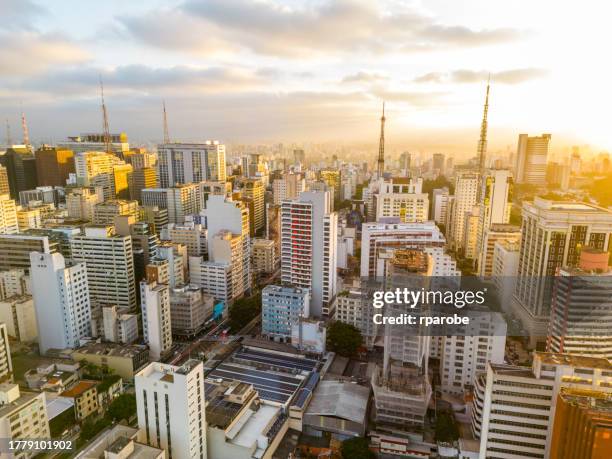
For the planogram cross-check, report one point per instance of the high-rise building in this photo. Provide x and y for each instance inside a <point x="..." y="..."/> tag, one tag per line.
<point x="333" y="179"/>
<point x="265" y="256"/>
<point x="4" y="181"/>
<point x="15" y="249"/>
<point x="80" y="203"/>
<point x="180" y="163"/>
<point x="53" y="165"/>
<point x="8" y="215"/>
<point x="96" y="169"/>
<point x="6" y="364"/>
<point x="400" y="197"/>
<point x="495" y="233"/>
<point x="172" y="409"/>
<point x="531" y="157"/>
<point x="19" y="315"/>
<point x="179" y="200"/>
<point x="440" y="205"/>
<point x="28" y="219"/>
<point x="466" y="191"/>
<point x="580" y="319"/>
<point x="13" y="282"/>
<point x="254" y="189"/>
<point x="189" y="310"/>
<point x="23" y="416"/>
<point x="61" y="300"/>
<point x="122" y="174"/>
<point x="514" y="407"/>
<point x="20" y="165"/>
<point x="552" y="234"/>
<point x="309" y="248"/>
<point x="288" y="187"/>
<point x="190" y="234"/>
<point x="110" y="265"/>
<point x="438" y="163"/>
<point x="376" y="237"/>
<point x="582" y="425"/>
<point x="145" y="177"/>
<point x="106" y="211"/>
<point x="281" y="308"/>
<point x="156" y="317"/>
<point x="119" y="145"/>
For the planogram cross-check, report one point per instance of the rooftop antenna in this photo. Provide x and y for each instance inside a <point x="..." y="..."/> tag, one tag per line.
<point x="482" y="141"/>
<point x="24" y="128"/>
<point x="381" y="144"/>
<point x="166" y="135"/>
<point x="106" y="130"/>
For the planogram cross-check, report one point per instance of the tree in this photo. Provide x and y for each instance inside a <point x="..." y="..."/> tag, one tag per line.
<point x="446" y="428"/>
<point x="356" y="448"/>
<point x="91" y="428"/>
<point x="243" y="311"/>
<point x="123" y="407"/>
<point x="343" y="339"/>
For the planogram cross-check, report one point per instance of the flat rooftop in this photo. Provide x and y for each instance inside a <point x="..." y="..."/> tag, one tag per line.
<point x="552" y="358"/>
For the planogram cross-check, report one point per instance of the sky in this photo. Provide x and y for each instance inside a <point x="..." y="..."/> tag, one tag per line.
<point x="310" y="70"/>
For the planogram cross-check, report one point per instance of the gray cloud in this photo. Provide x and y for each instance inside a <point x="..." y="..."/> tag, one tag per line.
<point x="271" y="29"/>
<point x="18" y="14"/>
<point x="364" y="77"/>
<point x="513" y="76"/>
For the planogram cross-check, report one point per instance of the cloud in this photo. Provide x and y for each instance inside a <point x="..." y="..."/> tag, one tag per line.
<point x="513" y="76"/>
<point x="364" y="77"/>
<point x="25" y="53"/>
<point x="271" y="28"/>
<point x="18" y="14"/>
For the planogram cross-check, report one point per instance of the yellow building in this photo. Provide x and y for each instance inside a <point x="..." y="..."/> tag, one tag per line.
<point x="583" y="425"/>
<point x="85" y="396"/>
<point x="121" y="179"/>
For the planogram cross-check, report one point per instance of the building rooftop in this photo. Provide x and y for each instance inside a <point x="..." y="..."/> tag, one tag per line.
<point x="79" y="388"/>
<point x="112" y="349"/>
<point x="552" y="358"/>
<point x="343" y="400"/>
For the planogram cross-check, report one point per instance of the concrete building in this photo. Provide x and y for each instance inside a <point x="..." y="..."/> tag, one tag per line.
<point x="440" y="205"/>
<point x="493" y="234"/>
<point x="105" y="212"/>
<point x="265" y="256"/>
<point x="15" y="249"/>
<point x="254" y="190"/>
<point x="124" y="360"/>
<point x="156" y="317"/>
<point x="19" y="315"/>
<point x="95" y="169"/>
<point x="288" y="187"/>
<point x="120" y="441"/>
<point x="4" y="182"/>
<point x="13" y="282"/>
<point x="122" y="174"/>
<point x="214" y="278"/>
<point x="514" y="407"/>
<point x="531" y="158"/>
<point x="281" y="308"/>
<point x="470" y="234"/>
<point x="376" y="237"/>
<point x="582" y="425"/>
<point x="465" y="355"/>
<point x="240" y="424"/>
<point x="28" y="219"/>
<point x="504" y="271"/>
<point x="85" y="398"/>
<point x="403" y="198"/>
<point x="110" y="265"/>
<point x="552" y="234"/>
<point x="466" y="190"/>
<point x="23" y="416"/>
<point x="189" y="309"/>
<point x="179" y="201"/>
<point x="6" y="364"/>
<point x="118" y="326"/>
<point x="309" y="249"/>
<point x="172" y="409"/>
<point x="82" y="143"/>
<point x="20" y="165"/>
<point x="354" y="307"/>
<point x="80" y="203"/>
<point x="190" y="234"/>
<point x="175" y="255"/>
<point x="140" y="179"/>
<point x="309" y="335"/>
<point x="61" y="300"/>
<point x="8" y="215"/>
<point x="180" y="163"/>
<point x="580" y="317"/>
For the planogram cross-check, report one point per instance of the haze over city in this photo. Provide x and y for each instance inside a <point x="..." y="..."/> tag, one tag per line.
<point x="315" y="71"/>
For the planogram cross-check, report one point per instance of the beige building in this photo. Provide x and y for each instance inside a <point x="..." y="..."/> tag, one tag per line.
<point x="254" y="190"/>
<point x="265" y="256"/>
<point x="80" y="203"/>
<point x="8" y="215"/>
<point x="105" y="212"/>
<point x="85" y="397"/>
<point x="124" y="360"/>
<point x="18" y="313"/>
<point x="28" y="219"/>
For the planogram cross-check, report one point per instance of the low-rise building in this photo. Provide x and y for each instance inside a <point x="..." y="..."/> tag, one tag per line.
<point x="124" y="360"/>
<point x="120" y="442"/>
<point x="85" y="397"/>
<point x="23" y="416"/>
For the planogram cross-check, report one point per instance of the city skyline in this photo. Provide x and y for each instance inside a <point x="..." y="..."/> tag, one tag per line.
<point x="307" y="71"/>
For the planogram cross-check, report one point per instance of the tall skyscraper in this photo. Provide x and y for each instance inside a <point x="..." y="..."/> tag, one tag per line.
<point x="53" y="165"/>
<point x="254" y="190"/>
<point x="552" y="234"/>
<point x="172" y="409"/>
<point x="144" y="177"/>
<point x="309" y="248"/>
<point x="110" y="265"/>
<point x="180" y="163"/>
<point x="531" y="157"/>
<point x="156" y="317"/>
<point x="61" y="301"/>
<point x="466" y="191"/>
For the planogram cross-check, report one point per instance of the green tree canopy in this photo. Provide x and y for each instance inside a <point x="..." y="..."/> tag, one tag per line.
<point x="343" y="339"/>
<point x="356" y="448"/>
<point x="123" y="407"/>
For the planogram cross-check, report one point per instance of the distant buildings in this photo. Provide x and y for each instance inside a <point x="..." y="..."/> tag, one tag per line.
<point x="531" y="157"/>
<point x="8" y="215"/>
<point x="172" y="408"/>
<point x="466" y="191"/>
<point x="53" y="165"/>
<point x="179" y="200"/>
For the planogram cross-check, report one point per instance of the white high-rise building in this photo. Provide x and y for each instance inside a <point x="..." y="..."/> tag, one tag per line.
<point x="465" y="355"/>
<point x="179" y="163"/>
<point x="179" y="200"/>
<point x="309" y="248"/>
<point x="81" y="202"/>
<point x="61" y="301"/>
<point x="190" y="234"/>
<point x="514" y="407"/>
<point x="495" y="233"/>
<point x="531" y="158"/>
<point x="95" y="169"/>
<point x="288" y="187"/>
<point x="466" y="190"/>
<point x="156" y="317"/>
<point x="6" y="364"/>
<point x="403" y="198"/>
<point x="8" y="215"/>
<point x="172" y="409"/>
<point x="110" y="265"/>
<point x="440" y="205"/>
